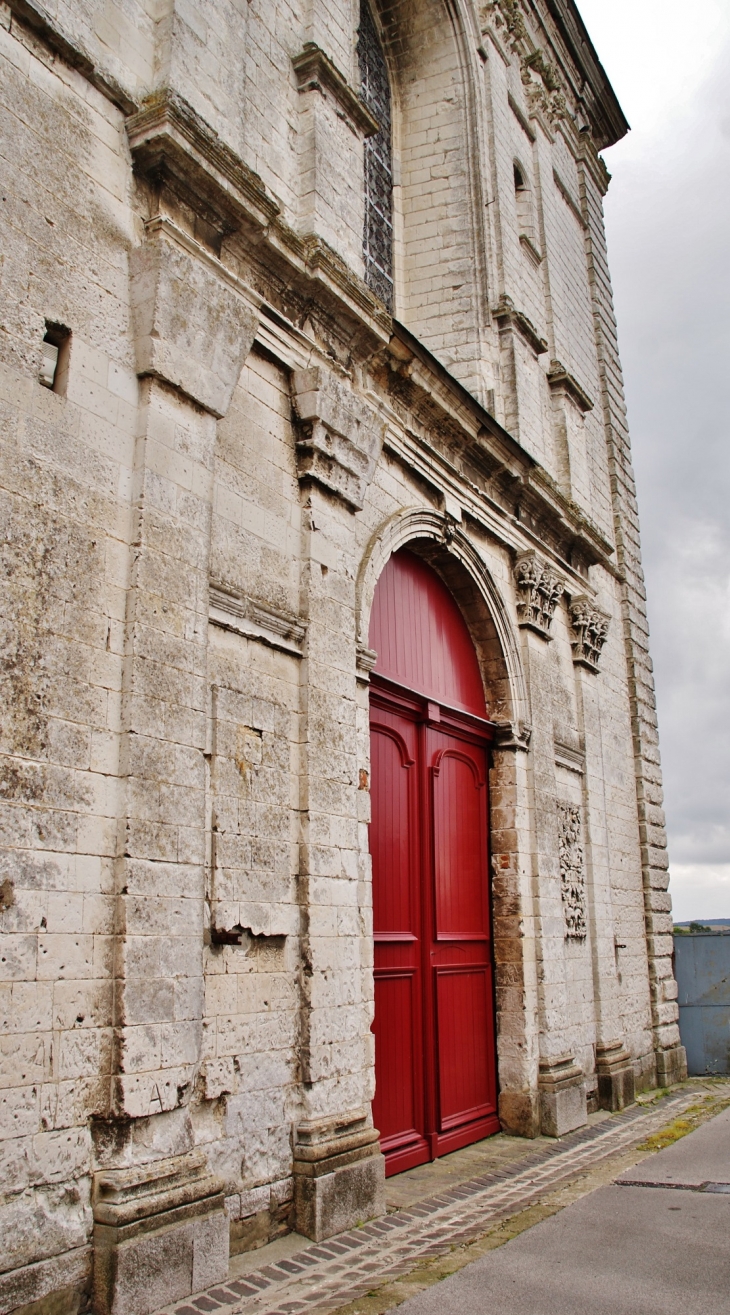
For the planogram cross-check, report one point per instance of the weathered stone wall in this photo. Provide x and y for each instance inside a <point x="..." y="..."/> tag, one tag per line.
<point x="194" y="520"/>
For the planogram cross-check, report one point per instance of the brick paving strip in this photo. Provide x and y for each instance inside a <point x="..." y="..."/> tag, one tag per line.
<point x="328" y="1275"/>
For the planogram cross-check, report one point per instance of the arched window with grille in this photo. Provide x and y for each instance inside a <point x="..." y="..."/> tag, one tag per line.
<point x="378" y="227"/>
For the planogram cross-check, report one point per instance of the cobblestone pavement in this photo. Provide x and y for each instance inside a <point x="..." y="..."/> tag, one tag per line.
<point x="324" y="1276"/>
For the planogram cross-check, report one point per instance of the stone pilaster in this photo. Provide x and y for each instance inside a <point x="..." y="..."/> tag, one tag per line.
<point x="614" y="1068"/>
<point x="193" y="330"/>
<point x="560" y="1083"/>
<point x="669" y="1054"/>
<point x="339" y="1171"/>
<point x="334" y="123"/>
<point x="515" y="933"/>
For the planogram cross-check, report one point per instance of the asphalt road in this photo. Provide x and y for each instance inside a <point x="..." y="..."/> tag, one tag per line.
<point x="622" y="1250"/>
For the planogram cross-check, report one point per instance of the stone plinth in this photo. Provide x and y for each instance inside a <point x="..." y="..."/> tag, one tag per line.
<point x="615" y="1073"/>
<point x="671" y="1066"/>
<point x="562" y="1096"/>
<point x="160" y="1233"/>
<point x="339" y="1175"/>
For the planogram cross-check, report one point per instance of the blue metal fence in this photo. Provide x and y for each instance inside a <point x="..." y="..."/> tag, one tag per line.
<point x="702" y="970"/>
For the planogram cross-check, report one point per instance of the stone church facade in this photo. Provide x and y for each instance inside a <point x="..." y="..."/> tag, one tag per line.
<point x="292" y="294"/>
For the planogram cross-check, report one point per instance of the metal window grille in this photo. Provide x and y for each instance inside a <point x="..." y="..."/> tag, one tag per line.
<point x="378" y="230"/>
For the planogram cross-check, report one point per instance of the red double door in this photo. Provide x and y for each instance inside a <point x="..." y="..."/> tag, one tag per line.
<point x="434" y="1012"/>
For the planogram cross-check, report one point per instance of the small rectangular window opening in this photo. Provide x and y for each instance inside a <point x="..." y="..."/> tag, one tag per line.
<point x="56" y="347"/>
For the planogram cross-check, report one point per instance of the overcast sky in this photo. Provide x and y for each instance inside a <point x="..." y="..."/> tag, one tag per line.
<point x="668" y="220"/>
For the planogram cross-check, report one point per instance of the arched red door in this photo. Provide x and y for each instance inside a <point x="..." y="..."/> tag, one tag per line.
<point x="435" y="1064"/>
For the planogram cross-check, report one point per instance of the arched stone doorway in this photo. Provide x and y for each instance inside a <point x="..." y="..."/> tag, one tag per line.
<point x="435" y="1051"/>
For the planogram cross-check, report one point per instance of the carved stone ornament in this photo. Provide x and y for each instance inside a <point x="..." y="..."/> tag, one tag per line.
<point x="340" y="436"/>
<point x="539" y="589"/>
<point x="572" y="873"/>
<point x="590" y="628"/>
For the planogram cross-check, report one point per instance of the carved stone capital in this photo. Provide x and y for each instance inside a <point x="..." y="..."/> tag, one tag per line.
<point x="590" y="628"/>
<point x="193" y="329"/>
<point x="539" y="589"/>
<point x="340" y="436"/>
<point x="512" y="735"/>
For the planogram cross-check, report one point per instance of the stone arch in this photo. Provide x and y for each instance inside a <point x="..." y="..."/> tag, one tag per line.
<point x="445" y="546"/>
<point x="440" y="241"/>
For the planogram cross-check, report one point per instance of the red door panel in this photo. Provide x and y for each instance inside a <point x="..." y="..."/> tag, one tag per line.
<point x="390" y="834"/>
<point x="398" y="1104"/>
<point x="463" y="1022"/>
<point x="460" y="842"/>
<point x="395" y="847"/>
<point x="460" y="950"/>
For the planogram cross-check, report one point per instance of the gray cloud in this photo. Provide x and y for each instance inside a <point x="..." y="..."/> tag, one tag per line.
<point x="668" y="219"/>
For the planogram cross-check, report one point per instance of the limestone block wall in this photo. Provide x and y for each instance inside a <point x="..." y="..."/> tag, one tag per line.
<point x="67" y="472"/>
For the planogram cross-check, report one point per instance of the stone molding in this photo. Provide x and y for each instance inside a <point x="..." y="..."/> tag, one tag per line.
<point x="509" y="317"/>
<point x="572" y="870"/>
<point x="175" y="148"/>
<point x="232" y="610"/>
<point x="562" y="382"/>
<point x="528" y="246"/>
<point x="574" y="760"/>
<point x="340" y="436"/>
<point x="366" y="659"/>
<point x="192" y="328"/>
<point x="540" y="589"/>
<point x="590" y="630"/>
<point x="315" y="71"/>
<point x="520" y="117"/>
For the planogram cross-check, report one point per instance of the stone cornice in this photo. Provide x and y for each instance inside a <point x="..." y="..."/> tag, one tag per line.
<point x="315" y="71"/>
<point x="521" y="118"/>
<point x="608" y="121"/>
<point x="568" y="198"/>
<point x="72" y="52"/>
<point x="526" y="504"/>
<point x="168" y="139"/>
<point x="177" y="151"/>
<point x="561" y="381"/>
<point x="508" y="316"/>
